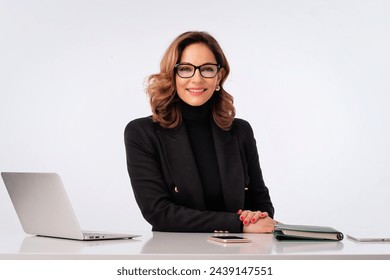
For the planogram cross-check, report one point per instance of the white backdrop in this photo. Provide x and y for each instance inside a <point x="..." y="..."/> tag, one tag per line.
<point x="312" y="77"/>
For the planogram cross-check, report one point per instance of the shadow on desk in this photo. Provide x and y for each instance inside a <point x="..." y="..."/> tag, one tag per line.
<point x="289" y="247"/>
<point x="262" y="244"/>
<point x="197" y="243"/>
<point x="51" y="245"/>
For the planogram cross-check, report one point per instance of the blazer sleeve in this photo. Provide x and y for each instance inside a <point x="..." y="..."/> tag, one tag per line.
<point x="257" y="195"/>
<point x="145" y="163"/>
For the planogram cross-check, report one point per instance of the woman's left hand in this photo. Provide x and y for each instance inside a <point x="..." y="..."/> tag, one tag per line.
<point x="265" y="225"/>
<point x="247" y="216"/>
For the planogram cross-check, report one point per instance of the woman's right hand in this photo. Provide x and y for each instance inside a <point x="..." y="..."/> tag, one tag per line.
<point x="247" y="216"/>
<point x="264" y="225"/>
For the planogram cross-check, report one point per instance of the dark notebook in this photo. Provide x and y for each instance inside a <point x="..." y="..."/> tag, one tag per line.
<point x="304" y="232"/>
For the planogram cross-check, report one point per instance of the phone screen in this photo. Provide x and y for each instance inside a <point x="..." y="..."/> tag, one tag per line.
<point x="229" y="239"/>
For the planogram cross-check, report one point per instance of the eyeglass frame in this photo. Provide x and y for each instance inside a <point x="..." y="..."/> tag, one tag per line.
<point x="198" y="68"/>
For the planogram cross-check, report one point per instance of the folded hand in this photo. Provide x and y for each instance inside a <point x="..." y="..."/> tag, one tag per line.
<point x="256" y="221"/>
<point x="247" y="216"/>
<point x="264" y="225"/>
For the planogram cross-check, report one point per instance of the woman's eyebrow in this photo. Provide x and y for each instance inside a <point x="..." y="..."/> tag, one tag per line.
<point x="185" y="62"/>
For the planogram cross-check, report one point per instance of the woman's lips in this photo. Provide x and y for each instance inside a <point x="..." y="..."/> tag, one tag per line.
<point x="196" y="91"/>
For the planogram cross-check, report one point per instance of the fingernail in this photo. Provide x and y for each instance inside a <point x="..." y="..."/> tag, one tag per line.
<point x="245" y="222"/>
<point x="242" y="218"/>
<point x="253" y="220"/>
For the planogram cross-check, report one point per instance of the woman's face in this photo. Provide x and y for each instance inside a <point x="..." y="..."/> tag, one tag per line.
<point x="197" y="90"/>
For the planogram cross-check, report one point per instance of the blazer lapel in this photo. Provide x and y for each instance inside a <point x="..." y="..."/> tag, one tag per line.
<point x="230" y="168"/>
<point x="181" y="163"/>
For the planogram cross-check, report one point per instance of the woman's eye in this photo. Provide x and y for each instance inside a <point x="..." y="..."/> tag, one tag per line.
<point x="208" y="69"/>
<point x="185" y="69"/>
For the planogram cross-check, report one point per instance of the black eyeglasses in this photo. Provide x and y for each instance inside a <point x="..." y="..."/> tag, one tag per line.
<point x="187" y="70"/>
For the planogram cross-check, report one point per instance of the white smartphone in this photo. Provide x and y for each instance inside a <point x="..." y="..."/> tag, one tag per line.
<point x="229" y="239"/>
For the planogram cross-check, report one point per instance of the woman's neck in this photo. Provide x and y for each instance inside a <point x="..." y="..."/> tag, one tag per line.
<point x="193" y="113"/>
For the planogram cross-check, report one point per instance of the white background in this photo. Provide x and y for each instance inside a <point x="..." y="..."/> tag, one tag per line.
<point x="312" y="77"/>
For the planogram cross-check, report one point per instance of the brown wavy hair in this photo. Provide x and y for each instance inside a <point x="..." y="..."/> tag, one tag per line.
<point x="161" y="87"/>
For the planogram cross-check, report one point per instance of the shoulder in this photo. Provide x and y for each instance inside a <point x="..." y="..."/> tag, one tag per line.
<point x="244" y="133"/>
<point x="140" y="127"/>
<point x="139" y="123"/>
<point x="241" y="126"/>
<point x="240" y="123"/>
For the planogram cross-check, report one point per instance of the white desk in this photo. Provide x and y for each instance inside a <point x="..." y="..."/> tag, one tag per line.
<point x="160" y="245"/>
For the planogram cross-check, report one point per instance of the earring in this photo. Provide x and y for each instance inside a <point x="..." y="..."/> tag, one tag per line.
<point x="217" y="88"/>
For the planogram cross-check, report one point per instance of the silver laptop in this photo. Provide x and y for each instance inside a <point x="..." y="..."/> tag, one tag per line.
<point x="364" y="237"/>
<point x="373" y="232"/>
<point x="44" y="209"/>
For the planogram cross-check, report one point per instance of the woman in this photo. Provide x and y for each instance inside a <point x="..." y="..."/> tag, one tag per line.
<point x="193" y="166"/>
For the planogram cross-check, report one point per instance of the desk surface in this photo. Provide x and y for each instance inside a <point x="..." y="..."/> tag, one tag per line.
<point x="162" y="245"/>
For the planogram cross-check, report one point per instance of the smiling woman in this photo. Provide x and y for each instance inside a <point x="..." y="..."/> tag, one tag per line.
<point x="163" y="87"/>
<point x="193" y="166"/>
<point x="196" y="87"/>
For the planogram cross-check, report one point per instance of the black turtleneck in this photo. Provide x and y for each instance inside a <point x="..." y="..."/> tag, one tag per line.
<point x="197" y="120"/>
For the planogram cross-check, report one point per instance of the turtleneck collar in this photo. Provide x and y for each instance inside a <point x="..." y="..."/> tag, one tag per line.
<point x="196" y="113"/>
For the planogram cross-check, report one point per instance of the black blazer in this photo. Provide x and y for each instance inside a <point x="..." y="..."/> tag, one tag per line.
<point x="167" y="185"/>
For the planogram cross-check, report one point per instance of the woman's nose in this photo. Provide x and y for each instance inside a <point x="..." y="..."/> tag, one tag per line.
<point x="197" y="76"/>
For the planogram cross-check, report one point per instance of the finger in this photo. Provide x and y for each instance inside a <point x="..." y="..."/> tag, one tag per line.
<point x="262" y="226"/>
<point x="256" y="217"/>
<point x="244" y="214"/>
<point x="264" y="214"/>
<point x="249" y="217"/>
<point x="259" y="215"/>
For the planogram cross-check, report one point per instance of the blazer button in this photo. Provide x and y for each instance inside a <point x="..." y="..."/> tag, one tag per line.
<point x="246" y="189"/>
<point x="176" y="189"/>
<point x="221" y="231"/>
